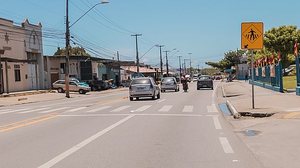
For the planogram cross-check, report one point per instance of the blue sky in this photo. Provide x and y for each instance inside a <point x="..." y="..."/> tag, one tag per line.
<point x="205" y="28"/>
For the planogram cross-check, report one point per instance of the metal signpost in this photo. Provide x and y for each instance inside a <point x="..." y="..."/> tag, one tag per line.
<point x="252" y="36"/>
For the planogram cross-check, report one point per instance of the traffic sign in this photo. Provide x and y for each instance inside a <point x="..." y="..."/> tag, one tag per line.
<point x="252" y="35"/>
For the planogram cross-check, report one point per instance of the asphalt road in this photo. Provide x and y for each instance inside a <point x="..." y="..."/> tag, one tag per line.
<point x="180" y="130"/>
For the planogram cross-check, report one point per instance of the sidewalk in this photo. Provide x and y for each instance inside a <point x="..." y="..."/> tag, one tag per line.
<point x="274" y="140"/>
<point x="42" y="95"/>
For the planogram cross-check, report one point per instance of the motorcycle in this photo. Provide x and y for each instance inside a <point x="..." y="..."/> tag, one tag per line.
<point x="185" y="87"/>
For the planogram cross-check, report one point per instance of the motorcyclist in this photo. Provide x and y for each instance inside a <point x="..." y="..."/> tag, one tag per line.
<point x="184" y="83"/>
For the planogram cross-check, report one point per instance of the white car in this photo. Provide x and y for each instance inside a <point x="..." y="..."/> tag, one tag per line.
<point x="143" y="87"/>
<point x="73" y="86"/>
<point x="169" y="83"/>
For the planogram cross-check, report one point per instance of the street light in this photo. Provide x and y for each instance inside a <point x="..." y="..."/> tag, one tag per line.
<point x="68" y="41"/>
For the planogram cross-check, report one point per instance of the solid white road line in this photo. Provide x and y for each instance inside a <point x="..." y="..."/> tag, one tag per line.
<point x="143" y="108"/>
<point x="82" y="144"/>
<point x="165" y="108"/>
<point x="225" y="144"/>
<point x="120" y="109"/>
<point x="76" y="109"/>
<point x="217" y="122"/>
<point x="52" y="110"/>
<point x="35" y="110"/>
<point x="98" y="109"/>
<point x="187" y="109"/>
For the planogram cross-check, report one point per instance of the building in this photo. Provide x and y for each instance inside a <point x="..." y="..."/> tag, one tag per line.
<point x="22" y="61"/>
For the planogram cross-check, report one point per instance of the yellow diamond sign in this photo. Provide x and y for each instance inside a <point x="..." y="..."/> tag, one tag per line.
<point x="252" y="35"/>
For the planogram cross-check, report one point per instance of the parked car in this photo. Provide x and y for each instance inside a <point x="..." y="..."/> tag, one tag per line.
<point x="143" y="87"/>
<point x="73" y="86"/>
<point x="169" y="83"/>
<point x="97" y="85"/>
<point x="205" y="81"/>
<point x="78" y="81"/>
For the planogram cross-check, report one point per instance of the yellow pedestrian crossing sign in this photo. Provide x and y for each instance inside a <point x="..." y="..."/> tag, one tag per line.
<point x="252" y="35"/>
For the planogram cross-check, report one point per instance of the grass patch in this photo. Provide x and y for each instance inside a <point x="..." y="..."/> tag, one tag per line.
<point x="289" y="82"/>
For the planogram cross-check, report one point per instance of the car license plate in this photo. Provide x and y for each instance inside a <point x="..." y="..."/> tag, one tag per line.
<point x="204" y="85"/>
<point x="140" y="88"/>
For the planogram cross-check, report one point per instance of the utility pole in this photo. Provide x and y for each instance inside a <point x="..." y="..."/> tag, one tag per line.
<point x="1" y="78"/>
<point x="180" y="74"/>
<point x="67" y="51"/>
<point x="190" y="63"/>
<point x="119" y="71"/>
<point x="160" y="57"/>
<point x="167" y="62"/>
<point x="198" y="68"/>
<point x="137" y="52"/>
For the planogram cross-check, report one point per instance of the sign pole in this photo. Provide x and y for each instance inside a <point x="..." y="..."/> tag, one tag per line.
<point x="252" y="76"/>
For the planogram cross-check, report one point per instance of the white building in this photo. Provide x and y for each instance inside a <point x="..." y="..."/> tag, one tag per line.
<point x="22" y="61"/>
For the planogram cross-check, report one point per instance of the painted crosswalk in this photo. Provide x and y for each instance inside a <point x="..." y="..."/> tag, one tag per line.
<point x="165" y="108"/>
<point x="188" y="109"/>
<point x="102" y="109"/>
<point x="120" y="109"/>
<point x="98" y="109"/>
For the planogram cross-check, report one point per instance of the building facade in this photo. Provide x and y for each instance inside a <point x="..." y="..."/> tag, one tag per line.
<point x="22" y="61"/>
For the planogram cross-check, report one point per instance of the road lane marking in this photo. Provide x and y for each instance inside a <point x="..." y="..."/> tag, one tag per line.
<point x="217" y="122"/>
<point x="98" y="109"/>
<point x="187" y="109"/>
<point x="143" y="108"/>
<point x="52" y="110"/>
<point x="165" y="108"/>
<point x="26" y="122"/>
<point x="111" y="115"/>
<point x="225" y="144"/>
<point x="212" y="109"/>
<point x="76" y="109"/>
<point x="162" y="100"/>
<point x="120" y="109"/>
<point x="13" y="111"/>
<point x="82" y="144"/>
<point x="35" y="110"/>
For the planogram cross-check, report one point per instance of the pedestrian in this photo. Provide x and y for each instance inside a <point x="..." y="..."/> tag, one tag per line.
<point x="246" y="77"/>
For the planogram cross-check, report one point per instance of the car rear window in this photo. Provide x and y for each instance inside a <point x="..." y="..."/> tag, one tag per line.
<point x="204" y="77"/>
<point x="168" y="80"/>
<point x="141" y="81"/>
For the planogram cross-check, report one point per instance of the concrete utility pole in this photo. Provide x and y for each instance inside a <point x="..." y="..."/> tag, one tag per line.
<point x="137" y="52"/>
<point x="119" y="71"/>
<point x="160" y="57"/>
<point x="167" y="62"/>
<point x="180" y="74"/>
<point x="190" y="63"/>
<point x="67" y="51"/>
<point x="1" y="78"/>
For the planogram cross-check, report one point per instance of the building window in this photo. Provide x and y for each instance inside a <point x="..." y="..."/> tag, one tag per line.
<point x="62" y="68"/>
<point x="34" y="39"/>
<point x="17" y="73"/>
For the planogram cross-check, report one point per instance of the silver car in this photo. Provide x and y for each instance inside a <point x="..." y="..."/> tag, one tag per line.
<point x="169" y="83"/>
<point x="143" y="87"/>
<point x="73" y="86"/>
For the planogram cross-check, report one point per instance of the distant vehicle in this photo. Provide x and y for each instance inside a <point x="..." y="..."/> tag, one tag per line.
<point x="97" y="85"/>
<point x="73" y="87"/>
<point x="169" y="83"/>
<point x="143" y="87"/>
<point x="205" y="81"/>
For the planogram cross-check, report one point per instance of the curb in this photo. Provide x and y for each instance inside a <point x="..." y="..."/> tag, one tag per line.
<point x="223" y="91"/>
<point x="232" y="109"/>
<point x="25" y="93"/>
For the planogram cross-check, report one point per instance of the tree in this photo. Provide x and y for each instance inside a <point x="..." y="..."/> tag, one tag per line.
<point x="74" y="51"/>
<point x="231" y="58"/>
<point x="282" y="40"/>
